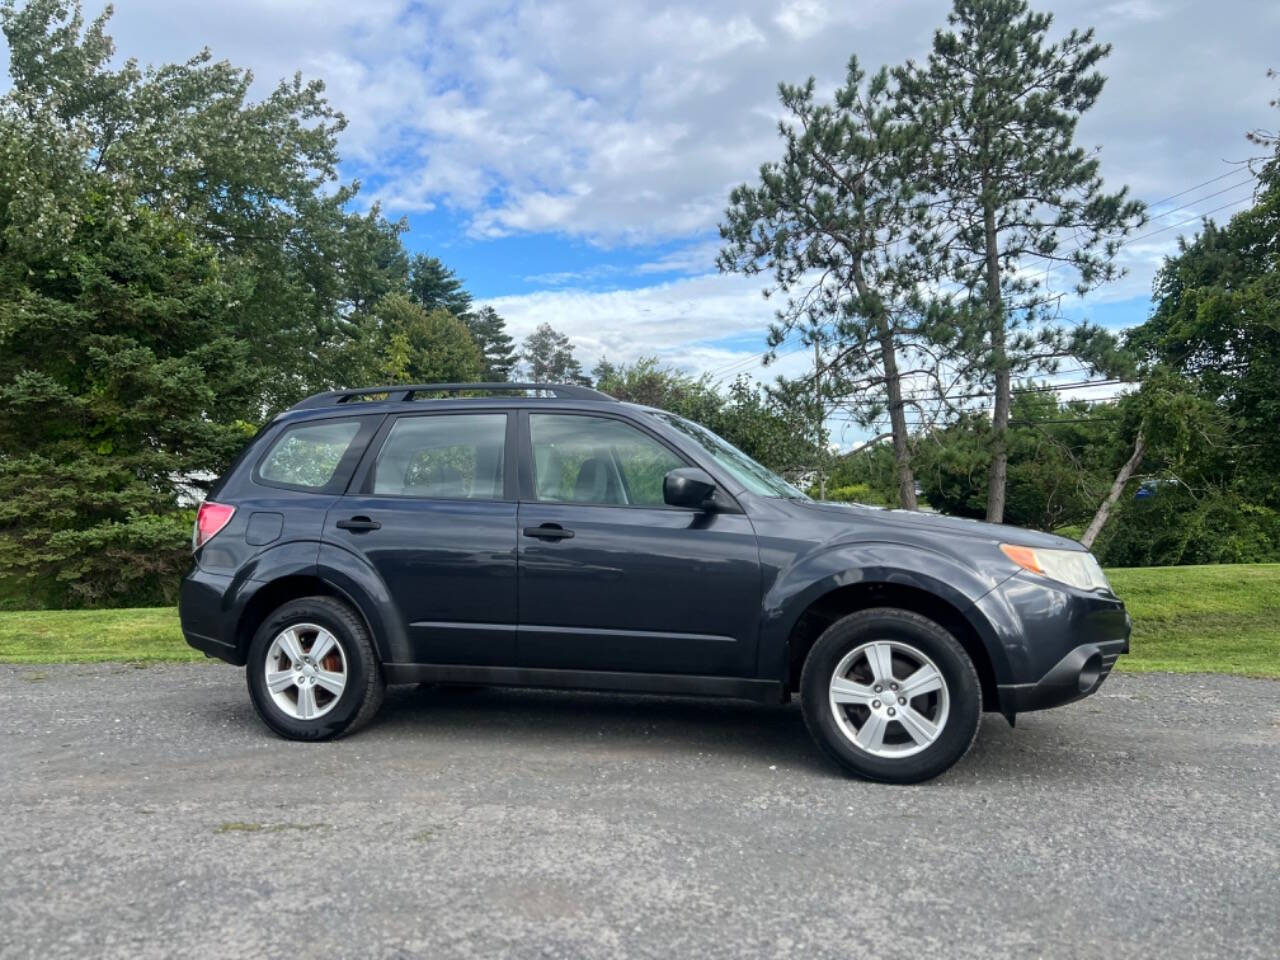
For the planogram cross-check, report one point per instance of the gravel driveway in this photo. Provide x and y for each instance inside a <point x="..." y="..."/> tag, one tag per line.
<point x="147" y="813"/>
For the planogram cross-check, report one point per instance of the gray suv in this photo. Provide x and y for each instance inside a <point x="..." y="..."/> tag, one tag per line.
<point x="550" y="536"/>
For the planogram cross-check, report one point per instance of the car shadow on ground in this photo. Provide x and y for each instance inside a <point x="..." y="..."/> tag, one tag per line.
<point x="757" y="733"/>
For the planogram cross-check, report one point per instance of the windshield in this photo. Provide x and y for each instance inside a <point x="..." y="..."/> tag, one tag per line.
<point x="759" y="480"/>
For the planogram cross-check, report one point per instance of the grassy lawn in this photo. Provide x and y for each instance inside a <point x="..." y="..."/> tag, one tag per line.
<point x="69" y="636"/>
<point x="1223" y="619"/>
<point x="1220" y="619"/>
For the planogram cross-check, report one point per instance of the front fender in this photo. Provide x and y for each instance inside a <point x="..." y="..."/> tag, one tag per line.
<point x="816" y="574"/>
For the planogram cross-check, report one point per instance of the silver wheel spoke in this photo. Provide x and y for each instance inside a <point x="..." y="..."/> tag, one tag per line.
<point x="871" y="736"/>
<point x="880" y="658"/>
<point x="845" y="691"/>
<point x="289" y="643"/>
<point x="878" y="716"/>
<point x="278" y="682"/>
<point x="333" y="682"/>
<point x="294" y="691"/>
<point x="306" y="701"/>
<point x="324" y="643"/>
<point x="924" y="680"/>
<point x="920" y="730"/>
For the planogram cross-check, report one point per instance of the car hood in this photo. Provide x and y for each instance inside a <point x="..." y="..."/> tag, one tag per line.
<point x="924" y="523"/>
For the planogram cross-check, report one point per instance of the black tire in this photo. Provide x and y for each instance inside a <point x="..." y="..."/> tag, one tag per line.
<point x="963" y="693"/>
<point x="363" y="692"/>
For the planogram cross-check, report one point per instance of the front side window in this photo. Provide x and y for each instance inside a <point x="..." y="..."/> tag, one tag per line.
<point x="446" y="457"/>
<point x="309" y="454"/>
<point x="579" y="459"/>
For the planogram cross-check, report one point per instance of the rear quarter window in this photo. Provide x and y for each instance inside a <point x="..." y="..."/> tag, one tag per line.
<point x="308" y="456"/>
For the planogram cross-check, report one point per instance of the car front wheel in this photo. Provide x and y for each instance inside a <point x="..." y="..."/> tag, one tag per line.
<point x="312" y="671"/>
<point x="891" y="696"/>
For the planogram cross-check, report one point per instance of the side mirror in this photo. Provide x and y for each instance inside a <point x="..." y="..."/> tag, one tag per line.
<point x="688" y="487"/>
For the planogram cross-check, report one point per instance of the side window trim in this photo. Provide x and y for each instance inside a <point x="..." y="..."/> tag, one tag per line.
<point x="527" y="493"/>
<point x="342" y="473"/>
<point x="363" y="479"/>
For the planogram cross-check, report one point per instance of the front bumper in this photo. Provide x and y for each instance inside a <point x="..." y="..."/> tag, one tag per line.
<point x="1059" y="643"/>
<point x="1076" y="675"/>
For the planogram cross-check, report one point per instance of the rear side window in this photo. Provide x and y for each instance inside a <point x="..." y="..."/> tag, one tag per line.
<point x="444" y="457"/>
<point x="308" y="455"/>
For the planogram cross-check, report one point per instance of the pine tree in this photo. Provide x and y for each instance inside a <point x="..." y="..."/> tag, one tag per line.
<point x="548" y="357"/>
<point x="1000" y="105"/>
<point x="839" y="225"/>
<point x="433" y="286"/>
<point x="489" y="331"/>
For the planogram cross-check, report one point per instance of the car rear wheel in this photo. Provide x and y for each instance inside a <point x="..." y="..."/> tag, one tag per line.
<point x="312" y="670"/>
<point x="891" y="696"/>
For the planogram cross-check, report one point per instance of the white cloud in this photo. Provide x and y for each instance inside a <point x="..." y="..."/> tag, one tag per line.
<point x="676" y="321"/>
<point x="628" y="122"/>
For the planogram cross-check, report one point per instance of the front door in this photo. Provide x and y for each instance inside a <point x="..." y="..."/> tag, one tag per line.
<point x="434" y="517"/>
<point x="611" y="578"/>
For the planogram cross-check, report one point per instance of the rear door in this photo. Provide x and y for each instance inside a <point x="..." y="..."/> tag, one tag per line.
<point x="611" y="578"/>
<point x="433" y="510"/>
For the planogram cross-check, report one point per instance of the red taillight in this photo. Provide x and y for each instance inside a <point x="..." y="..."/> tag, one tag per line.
<point x="210" y="518"/>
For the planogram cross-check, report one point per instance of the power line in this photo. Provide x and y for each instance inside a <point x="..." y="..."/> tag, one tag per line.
<point x="1223" y="176"/>
<point x="1174" y="226"/>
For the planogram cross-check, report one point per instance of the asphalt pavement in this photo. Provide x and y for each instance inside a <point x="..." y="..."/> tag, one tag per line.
<point x="147" y="813"/>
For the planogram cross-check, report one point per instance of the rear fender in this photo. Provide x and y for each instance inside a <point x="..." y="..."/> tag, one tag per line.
<point x="356" y="579"/>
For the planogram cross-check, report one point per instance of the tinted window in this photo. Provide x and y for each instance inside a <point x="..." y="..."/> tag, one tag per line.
<point x="308" y="455"/>
<point x="597" y="460"/>
<point x="453" y="457"/>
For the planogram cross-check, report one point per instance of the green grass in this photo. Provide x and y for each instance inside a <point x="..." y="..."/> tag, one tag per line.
<point x="85" y="636"/>
<point x="1219" y="619"/>
<point x="1214" y="619"/>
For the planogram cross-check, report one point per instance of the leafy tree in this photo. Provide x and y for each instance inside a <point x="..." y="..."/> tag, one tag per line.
<point x="1215" y="324"/>
<point x="175" y="262"/>
<point x="1059" y="461"/>
<point x="411" y="345"/>
<point x="257" y="181"/>
<point x="747" y="416"/>
<point x="548" y="357"/>
<point x="436" y="287"/>
<point x="1000" y="105"/>
<point x="838" y="223"/>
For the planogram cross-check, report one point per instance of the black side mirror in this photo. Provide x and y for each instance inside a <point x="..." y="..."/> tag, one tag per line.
<point x="688" y="487"/>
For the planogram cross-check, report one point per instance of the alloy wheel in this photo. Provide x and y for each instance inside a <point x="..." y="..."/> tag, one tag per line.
<point x="306" y="671"/>
<point x="889" y="699"/>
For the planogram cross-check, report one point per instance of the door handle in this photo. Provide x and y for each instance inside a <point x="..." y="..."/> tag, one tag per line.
<point x="358" y="524"/>
<point x="548" y="531"/>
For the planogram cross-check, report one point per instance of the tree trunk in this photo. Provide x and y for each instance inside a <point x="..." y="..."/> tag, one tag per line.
<point x="998" y="473"/>
<point x="821" y="415"/>
<point x="893" y="387"/>
<point x="1117" y="488"/>
<point x="897" y="417"/>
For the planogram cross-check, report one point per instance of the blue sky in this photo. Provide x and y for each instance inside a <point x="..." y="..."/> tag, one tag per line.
<point x="571" y="160"/>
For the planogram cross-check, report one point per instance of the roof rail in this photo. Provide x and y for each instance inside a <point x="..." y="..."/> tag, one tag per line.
<point x="405" y="391"/>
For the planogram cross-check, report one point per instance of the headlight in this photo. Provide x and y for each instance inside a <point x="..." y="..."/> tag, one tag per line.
<point x="1074" y="567"/>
